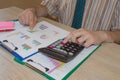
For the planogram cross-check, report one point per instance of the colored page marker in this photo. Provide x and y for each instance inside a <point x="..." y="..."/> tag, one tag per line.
<point x="6" y="26"/>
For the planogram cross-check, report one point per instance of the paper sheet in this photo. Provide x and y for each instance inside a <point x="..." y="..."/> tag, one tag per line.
<point x="58" y="70"/>
<point x="28" y="41"/>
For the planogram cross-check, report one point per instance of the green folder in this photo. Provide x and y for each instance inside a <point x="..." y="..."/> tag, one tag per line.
<point x="66" y="76"/>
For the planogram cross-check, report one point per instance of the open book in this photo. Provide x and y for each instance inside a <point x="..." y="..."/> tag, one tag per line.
<point x="24" y="43"/>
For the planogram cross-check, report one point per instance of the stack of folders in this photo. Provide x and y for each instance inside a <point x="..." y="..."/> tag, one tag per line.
<point x="24" y="43"/>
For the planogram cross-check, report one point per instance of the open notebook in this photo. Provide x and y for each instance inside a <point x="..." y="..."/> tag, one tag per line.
<point x="24" y="43"/>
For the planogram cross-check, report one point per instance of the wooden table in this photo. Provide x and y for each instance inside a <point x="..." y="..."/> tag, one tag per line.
<point x="102" y="65"/>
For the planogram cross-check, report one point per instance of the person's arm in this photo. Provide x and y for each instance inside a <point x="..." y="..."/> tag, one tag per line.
<point x="88" y="38"/>
<point x="112" y="36"/>
<point x="29" y="16"/>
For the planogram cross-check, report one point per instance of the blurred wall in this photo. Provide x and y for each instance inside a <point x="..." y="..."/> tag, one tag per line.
<point x="19" y="3"/>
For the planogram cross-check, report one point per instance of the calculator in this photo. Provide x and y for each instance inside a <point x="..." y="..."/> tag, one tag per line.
<point x="64" y="52"/>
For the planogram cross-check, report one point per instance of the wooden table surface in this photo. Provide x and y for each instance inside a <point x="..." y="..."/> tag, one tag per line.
<point x="102" y="65"/>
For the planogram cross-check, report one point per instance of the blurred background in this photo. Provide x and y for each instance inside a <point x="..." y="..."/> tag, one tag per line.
<point x="19" y="3"/>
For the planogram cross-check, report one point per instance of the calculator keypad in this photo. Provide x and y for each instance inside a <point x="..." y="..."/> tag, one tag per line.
<point x="68" y="48"/>
<point x="62" y="51"/>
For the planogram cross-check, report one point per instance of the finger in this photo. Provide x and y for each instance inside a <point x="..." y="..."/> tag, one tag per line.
<point x="67" y="38"/>
<point x="75" y="36"/>
<point x="27" y="19"/>
<point x="34" y="22"/>
<point x="81" y="40"/>
<point x="31" y="22"/>
<point x="21" y="20"/>
<point x="87" y="43"/>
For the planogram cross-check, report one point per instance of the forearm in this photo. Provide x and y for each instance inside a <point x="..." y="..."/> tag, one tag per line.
<point x="112" y="36"/>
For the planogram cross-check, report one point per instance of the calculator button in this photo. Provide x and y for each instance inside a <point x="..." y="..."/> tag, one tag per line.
<point x="70" y="47"/>
<point x="51" y="47"/>
<point x="65" y="46"/>
<point x="60" y="50"/>
<point x="63" y="43"/>
<point x="59" y="46"/>
<point x="67" y="49"/>
<point x="70" y="53"/>
<point x="75" y="49"/>
<point x="62" y="47"/>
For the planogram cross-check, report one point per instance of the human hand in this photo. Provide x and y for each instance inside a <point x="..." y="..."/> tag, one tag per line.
<point x="86" y="37"/>
<point x="28" y="17"/>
